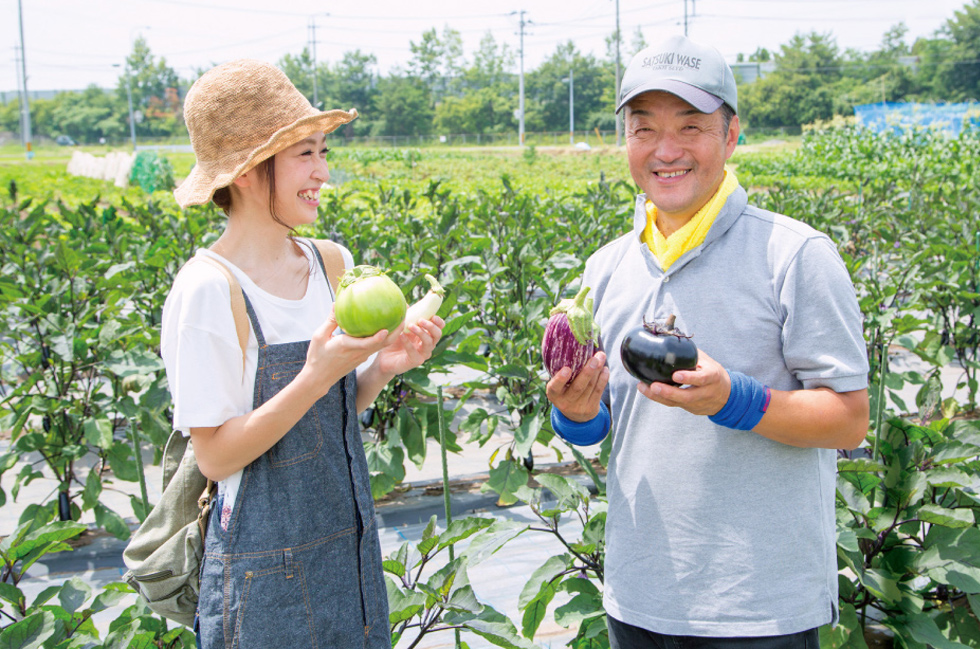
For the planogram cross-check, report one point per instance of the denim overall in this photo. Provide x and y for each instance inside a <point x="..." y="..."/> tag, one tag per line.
<point x="300" y="563"/>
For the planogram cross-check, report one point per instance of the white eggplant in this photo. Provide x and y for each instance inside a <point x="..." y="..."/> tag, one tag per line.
<point x="428" y="306"/>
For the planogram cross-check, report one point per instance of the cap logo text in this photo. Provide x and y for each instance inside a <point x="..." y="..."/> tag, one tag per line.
<point x="674" y="60"/>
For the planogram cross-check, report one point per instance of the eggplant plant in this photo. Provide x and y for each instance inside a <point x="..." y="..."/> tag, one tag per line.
<point x="428" y="594"/>
<point x="907" y="537"/>
<point x="80" y="297"/>
<point x="61" y="616"/>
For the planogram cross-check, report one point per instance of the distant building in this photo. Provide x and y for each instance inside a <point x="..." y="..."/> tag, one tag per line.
<point x="751" y="71"/>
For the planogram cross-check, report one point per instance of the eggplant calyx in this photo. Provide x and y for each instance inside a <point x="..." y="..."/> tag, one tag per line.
<point x="667" y="329"/>
<point x="358" y="273"/>
<point x="435" y="286"/>
<point x="578" y="312"/>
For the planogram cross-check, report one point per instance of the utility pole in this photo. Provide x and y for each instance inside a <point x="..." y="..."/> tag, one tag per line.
<point x="693" y="12"/>
<point x="619" y="121"/>
<point x="313" y="50"/>
<point x="129" y="86"/>
<point x="25" y="108"/>
<point x="521" y="84"/>
<point x="129" y="100"/>
<point x="571" y="106"/>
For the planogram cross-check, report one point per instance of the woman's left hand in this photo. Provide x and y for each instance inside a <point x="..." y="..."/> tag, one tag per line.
<point x="412" y="348"/>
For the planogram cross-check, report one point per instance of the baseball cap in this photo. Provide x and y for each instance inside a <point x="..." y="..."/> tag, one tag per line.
<point x="696" y="73"/>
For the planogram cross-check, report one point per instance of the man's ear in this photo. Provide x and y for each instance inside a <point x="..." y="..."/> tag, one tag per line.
<point x="733" y="130"/>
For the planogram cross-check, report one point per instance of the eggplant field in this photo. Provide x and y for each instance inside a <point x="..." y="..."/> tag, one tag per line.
<point x="86" y="267"/>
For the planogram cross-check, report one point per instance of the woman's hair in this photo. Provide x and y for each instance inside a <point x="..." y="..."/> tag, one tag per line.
<point x="222" y="195"/>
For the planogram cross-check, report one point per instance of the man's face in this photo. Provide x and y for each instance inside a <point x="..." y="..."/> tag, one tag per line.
<point x="677" y="154"/>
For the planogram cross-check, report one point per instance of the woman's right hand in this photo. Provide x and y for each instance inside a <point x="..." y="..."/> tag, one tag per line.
<point x="331" y="357"/>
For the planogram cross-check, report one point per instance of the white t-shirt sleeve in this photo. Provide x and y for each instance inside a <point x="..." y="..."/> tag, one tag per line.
<point x="200" y="349"/>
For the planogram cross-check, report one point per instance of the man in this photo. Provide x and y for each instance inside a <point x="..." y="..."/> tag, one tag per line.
<point x="721" y="526"/>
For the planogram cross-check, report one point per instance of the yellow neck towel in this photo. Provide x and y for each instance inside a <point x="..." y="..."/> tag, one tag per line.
<point x="667" y="250"/>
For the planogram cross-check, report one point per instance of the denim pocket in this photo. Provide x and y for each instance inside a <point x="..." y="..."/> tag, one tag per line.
<point x="304" y="441"/>
<point x="274" y="611"/>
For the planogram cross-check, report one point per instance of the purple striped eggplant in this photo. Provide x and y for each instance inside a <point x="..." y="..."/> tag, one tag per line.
<point x="571" y="336"/>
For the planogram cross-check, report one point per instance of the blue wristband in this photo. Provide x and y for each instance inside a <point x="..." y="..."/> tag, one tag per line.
<point x="584" y="433"/>
<point x="747" y="402"/>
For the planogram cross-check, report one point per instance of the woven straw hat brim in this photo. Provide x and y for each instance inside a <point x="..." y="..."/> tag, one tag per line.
<point x="200" y="184"/>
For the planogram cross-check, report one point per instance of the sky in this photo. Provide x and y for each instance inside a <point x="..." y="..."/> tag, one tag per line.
<point x="73" y="43"/>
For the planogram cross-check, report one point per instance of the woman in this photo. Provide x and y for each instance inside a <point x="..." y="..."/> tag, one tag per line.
<point x="292" y="557"/>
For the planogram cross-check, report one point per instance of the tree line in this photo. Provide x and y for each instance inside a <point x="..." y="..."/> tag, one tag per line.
<point x="441" y="91"/>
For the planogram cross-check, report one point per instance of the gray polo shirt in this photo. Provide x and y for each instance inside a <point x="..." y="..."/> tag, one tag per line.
<point x="712" y="531"/>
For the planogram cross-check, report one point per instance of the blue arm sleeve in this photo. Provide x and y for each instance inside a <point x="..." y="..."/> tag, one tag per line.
<point x="583" y="433"/>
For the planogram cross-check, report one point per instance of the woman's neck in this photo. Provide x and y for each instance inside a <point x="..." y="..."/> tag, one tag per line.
<point x="263" y="250"/>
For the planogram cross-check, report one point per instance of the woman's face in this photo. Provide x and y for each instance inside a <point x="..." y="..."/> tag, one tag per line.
<point x="300" y="172"/>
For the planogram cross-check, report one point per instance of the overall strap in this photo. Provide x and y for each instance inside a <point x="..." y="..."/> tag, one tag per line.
<point x="238" y="302"/>
<point x="331" y="261"/>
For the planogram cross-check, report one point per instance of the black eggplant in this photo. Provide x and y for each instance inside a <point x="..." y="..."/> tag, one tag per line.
<point x="652" y="352"/>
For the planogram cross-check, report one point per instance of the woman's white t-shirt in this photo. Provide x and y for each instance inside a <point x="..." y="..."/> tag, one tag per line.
<point x="200" y="349"/>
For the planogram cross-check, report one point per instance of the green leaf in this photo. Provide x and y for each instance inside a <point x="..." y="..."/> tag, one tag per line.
<point x="543" y="576"/>
<point x="111" y="522"/>
<point x="923" y="628"/>
<point x="412" y="437"/>
<point x="568" y="492"/>
<point x="491" y="539"/>
<point x="98" y="432"/>
<point x="506" y="477"/>
<point x="861" y="465"/>
<point x="394" y="567"/>
<point x="577" y="609"/>
<point x="939" y="515"/>
<point x="122" y="462"/>
<point x="953" y="452"/>
<point x="463" y="599"/>
<point x="402" y="605"/>
<point x="30" y="633"/>
<point x="881" y="585"/>
<point x="600" y="485"/>
<point x="45" y="596"/>
<point x="949" y="478"/>
<point x="92" y="491"/>
<point x="527" y="433"/>
<point x="110" y="597"/>
<point x="852" y="497"/>
<point x="496" y="629"/>
<point x="122" y="637"/>
<point x="12" y="594"/>
<point x="462" y="528"/>
<point x="134" y="362"/>
<point x="74" y="593"/>
<point x="536" y="611"/>
<point x="47" y="536"/>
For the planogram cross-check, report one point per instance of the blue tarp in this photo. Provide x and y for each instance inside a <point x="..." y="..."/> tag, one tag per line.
<point x="897" y="117"/>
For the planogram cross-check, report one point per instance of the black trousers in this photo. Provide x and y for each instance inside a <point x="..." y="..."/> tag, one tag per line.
<point x="627" y="636"/>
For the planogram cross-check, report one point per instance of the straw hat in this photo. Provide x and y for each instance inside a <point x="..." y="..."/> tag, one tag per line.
<point x="239" y="114"/>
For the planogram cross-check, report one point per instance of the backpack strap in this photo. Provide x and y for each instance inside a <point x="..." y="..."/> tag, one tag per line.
<point x="237" y="302"/>
<point x="333" y="261"/>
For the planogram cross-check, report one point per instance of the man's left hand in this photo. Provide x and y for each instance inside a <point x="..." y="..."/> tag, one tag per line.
<point x="703" y="390"/>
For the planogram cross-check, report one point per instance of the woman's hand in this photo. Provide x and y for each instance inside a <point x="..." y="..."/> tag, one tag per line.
<point x="331" y="357"/>
<point x="411" y="348"/>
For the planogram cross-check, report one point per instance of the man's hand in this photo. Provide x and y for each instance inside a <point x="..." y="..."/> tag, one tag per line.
<point x="704" y="390"/>
<point x="579" y="400"/>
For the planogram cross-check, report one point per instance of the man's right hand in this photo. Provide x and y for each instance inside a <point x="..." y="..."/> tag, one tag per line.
<point x="579" y="400"/>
